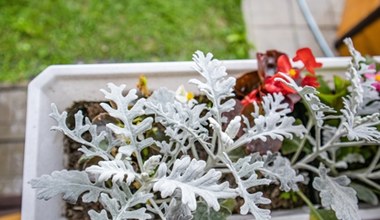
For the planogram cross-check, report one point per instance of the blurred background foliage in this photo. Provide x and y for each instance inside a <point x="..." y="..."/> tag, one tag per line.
<point x="39" y="33"/>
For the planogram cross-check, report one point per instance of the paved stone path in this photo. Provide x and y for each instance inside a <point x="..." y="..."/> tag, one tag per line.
<point x="280" y="25"/>
<point x="12" y="132"/>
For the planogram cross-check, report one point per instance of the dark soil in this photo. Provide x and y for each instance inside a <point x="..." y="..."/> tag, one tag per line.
<point x="91" y="110"/>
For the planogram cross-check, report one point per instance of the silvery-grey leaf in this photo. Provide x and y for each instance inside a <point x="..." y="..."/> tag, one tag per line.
<point x="98" y="216"/>
<point x="206" y="213"/>
<point x="371" y="100"/>
<point x="165" y="147"/>
<point x="178" y="211"/>
<point x="276" y="127"/>
<point x="354" y="158"/>
<point x="122" y="212"/>
<point x="90" y="148"/>
<point x="327" y="133"/>
<point x="160" y="98"/>
<point x="309" y="94"/>
<point x="192" y="179"/>
<point x="281" y="170"/>
<point x="244" y="172"/>
<point x="127" y="149"/>
<point x="151" y="164"/>
<point x="233" y="127"/>
<point x="71" y="184"/>
<point x="224" y="137"/>
<point x="116" y="169"/>
<point x="358" y="61"/>
<point x="336" y="194"/>
<point x="218" y="87"/>
<point x="183" y="123"/>
<point x="360" y="128"/>
<point x="274" y="124"/>
<point x="127" y="109"/>
<point x="275" y="104"/>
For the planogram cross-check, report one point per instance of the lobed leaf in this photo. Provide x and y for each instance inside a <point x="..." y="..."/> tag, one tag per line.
<point x="244" y="172"/>
<point x="280" y="169"/>
<point x="71" y="184"/>
<point x="336" y="194"/>
<point x="83" y="125"/>
<point x="116" y="169"/>
<point x="218" y="87"/>
<point x="189" y="176"/>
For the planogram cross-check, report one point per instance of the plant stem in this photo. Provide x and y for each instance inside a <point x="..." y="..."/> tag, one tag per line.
<point x="374" y="162"/>
<point x="305" y="166"/>
<point x="194" y="152"/>
<point x="155" y="206"/>
<point x="308" y="203"/>
<point x="302" y="144"/>
<point x="368" y="181"/>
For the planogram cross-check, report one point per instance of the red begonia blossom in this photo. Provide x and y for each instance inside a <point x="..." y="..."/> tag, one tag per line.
<point x="307" y="58"/>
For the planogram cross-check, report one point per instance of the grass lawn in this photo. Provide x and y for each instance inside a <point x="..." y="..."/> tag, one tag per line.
<point x="39" y="33"/>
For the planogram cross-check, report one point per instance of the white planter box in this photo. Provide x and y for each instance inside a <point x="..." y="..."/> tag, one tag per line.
<point x="65" y="84"/>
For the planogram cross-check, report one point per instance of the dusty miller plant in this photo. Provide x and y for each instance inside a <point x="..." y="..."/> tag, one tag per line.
<point x="173" y="183"/>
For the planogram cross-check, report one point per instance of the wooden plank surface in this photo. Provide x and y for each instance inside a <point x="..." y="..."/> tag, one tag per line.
<point x="361" y="22"/>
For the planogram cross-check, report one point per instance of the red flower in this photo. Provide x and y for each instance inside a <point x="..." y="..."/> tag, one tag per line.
<point x="310" y="80"/>
<point x="284" y="66"/>
<point x="307" y="58"/>
<point x="253" y="96"/>
<point x="270" y="85"/>
<point x="273" y="86"/>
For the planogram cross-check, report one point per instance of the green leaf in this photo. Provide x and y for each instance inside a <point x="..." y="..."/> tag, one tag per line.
<point x="340" y="84"/>
<point x="365" y="194"/>
<point x="206" y="213"/>
<point x="290" y="146"/>
<point x="330" y="97"/>
<point x="230" y="204"/>
<point x="324" y="214"/>
<point x="323" y="86"/>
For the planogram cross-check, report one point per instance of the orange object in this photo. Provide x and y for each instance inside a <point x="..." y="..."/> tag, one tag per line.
<point x="13" y="216"/>
<point x="361" y="22"/>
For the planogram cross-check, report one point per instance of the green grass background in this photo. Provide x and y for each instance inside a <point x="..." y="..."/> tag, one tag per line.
<point x="39" y="33"/>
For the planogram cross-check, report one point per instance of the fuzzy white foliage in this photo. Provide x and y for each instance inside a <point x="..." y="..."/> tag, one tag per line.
<point x="371" y="100"/>
<point x="119" y="212"/>
<point x="116" y="169"/>
<point x="354" y="158"/>
<point x="127" y="109"/>
<point x="233" y="127"/>
<point x="190" y="177"/>
<point x="224" y="137"/>
<point x="89" y="148"/>
<point x="278" y="168"/>
<point x="187" y="126"/>
<point x="71" y="184"/>
<point x="309" y="94"/>
<point x="152" y="163"/>
<point x="217" y="87"/>
<point x="244" y="171"/>
<point x="358" y="61"/>
<point x="336" y="194"/>
<point x="274" y="123"/>
<point x="178" y="211"/>
<point x="358" y="127"/>
<point x="183" y="121"/>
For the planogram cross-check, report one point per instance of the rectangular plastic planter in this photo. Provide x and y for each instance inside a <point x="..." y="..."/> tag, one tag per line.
<point x="65" y="84"/>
